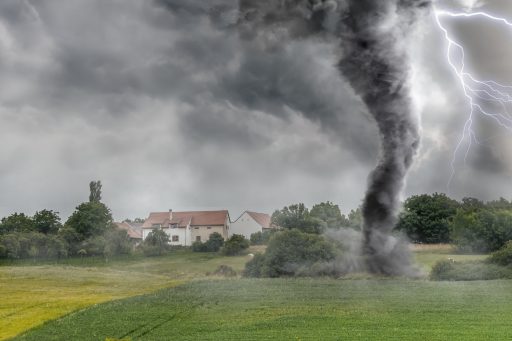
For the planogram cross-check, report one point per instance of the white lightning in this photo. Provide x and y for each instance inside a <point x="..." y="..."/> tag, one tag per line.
<point x="477" y="92"/>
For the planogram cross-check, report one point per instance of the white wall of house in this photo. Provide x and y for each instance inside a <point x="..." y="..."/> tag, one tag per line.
<point x="245" y="225"/>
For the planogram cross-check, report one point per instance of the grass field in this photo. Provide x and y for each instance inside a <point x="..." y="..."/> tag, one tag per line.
<point x="298" y="309"/>
<point x="34" y="293"/>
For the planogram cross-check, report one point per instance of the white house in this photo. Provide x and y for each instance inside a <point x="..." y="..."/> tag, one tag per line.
<point x="184" y="228"/>
<point x="249" y="223"/>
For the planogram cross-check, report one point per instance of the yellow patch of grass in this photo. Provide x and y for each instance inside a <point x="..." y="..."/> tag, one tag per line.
<point x="31" y="295"/>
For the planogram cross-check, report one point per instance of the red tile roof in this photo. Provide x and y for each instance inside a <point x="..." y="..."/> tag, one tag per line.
<point x="183" y="219"/>
<point x="261" y="218"/>
<point x="133" y="232"/>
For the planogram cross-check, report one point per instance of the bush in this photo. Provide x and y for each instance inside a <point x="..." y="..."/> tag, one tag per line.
<point x="235" y="245"/>
<point x="448" y="270"/>
<point x="117" y="242"/>
<point x="261" y="238"/>
<point x="16" y="245"/>
<point x="503" y="256"/>
<point x="156" y="243"/>
<point x="291" y="253"/>
<point x="481" y="230"/>
<point x="254" y="267"/>
<point x="213" y="244"/>
<point x="223" y="270"/>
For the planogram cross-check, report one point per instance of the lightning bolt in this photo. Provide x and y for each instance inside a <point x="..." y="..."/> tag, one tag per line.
<point x="476" y="91"/>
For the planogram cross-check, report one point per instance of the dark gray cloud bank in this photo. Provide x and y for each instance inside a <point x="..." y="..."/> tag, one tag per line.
<point x="172" y="107"/>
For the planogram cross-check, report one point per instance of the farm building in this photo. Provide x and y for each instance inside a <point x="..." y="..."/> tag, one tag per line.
<point x="186" y="227"/>
<point x="134" y="230"/>
<point x="249" y="223"/>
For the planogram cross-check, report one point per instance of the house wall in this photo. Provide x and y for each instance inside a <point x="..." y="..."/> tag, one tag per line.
<point x="245" y="225"/>
<point x="204" y="232"/>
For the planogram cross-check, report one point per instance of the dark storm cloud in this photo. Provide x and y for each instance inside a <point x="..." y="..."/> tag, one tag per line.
<point x="168" y="106"/>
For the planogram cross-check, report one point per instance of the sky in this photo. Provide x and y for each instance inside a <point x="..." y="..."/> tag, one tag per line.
<point x="171" y="107"/>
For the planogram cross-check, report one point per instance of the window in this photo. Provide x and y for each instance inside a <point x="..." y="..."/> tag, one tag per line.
<point x="209" y="227"/>
<point x="173" y="226"/>
<point x="175" y="238"/>
<point x="197" y="228"/>
<point x="157" y="225"/>
<point x="198" y="238"/>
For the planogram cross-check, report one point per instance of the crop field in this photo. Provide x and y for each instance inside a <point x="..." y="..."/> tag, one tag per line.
<point x="37" y="293"/>
<point x="32" y="294"/>
<point x="298" y="309"/>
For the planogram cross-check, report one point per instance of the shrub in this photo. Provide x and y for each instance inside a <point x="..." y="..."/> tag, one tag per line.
<point x="254" y="267"/>
<point x="291" y="253"/>
<point x="156" y="243"/>
<point x="261" y="238"/>
<point x="213" y="244"/>
<point x="235" y="245"/>
<point x="503" y="256"/>
<point x="197" y="246"/>
<point x="32" y="244"/>
<point x="448" y="270"/>
<point x="117" y="242"/>
<point x="481" y="230"/>
<point x="224" y="270"/>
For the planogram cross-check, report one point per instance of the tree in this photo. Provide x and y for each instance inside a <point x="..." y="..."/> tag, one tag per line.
<point x="329" y="214"/>
<point x="95" y="191"/>
<point x="235" y="245"/>
<point x="291" y="253"/>
<point x="355" y="218"/>
<point x="47" y="222"/>
<point x="90" y="219"/>
<point x="156" y="243"/>
<point x="297" y="217"/>
<point x="481" y="231"/>
<point x="426" y="218"/>
<point x="261" y="238"/>
<point x="16" y="222"/>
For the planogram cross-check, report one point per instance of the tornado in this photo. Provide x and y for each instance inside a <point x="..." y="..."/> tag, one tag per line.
<point x="374" y="61"/>
<point x="373" y="35"/>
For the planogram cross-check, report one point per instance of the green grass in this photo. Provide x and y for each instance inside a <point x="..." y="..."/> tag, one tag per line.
<point x="32" y="293"/>
<point x="35" y="292"/>
<point x="298" y="309"/>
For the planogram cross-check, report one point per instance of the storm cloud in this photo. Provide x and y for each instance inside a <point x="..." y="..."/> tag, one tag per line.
<point x="170" y="107"/>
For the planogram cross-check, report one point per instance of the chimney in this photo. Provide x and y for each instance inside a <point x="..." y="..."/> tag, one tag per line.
<point x="170" y="214"/>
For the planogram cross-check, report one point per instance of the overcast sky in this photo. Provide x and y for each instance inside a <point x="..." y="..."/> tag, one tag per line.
<point x="165" y="104"/>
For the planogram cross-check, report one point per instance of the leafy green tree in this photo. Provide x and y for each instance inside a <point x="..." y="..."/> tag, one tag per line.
<point x="355" y="218"/>
<point x="156" y="243"/>
<point x="471" y="204"/>
<point x="500" y="204"/>
<point x="90" y="219"/>
<point x="261" y="237"/>
<point x="481" y="231"/>
<point x="47" y="222"/>
<point x="426" y="218"/>
<point x="95" y="191"/>
<point x="235" y="245"/>
<point x="290" y="253"/>
<point x="16" y="222"/>
<point x="297" y="217"/>
<point x="329" y="214"/>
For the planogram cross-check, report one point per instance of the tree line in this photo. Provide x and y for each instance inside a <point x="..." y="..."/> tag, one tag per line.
<point x="89" y="230"/>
